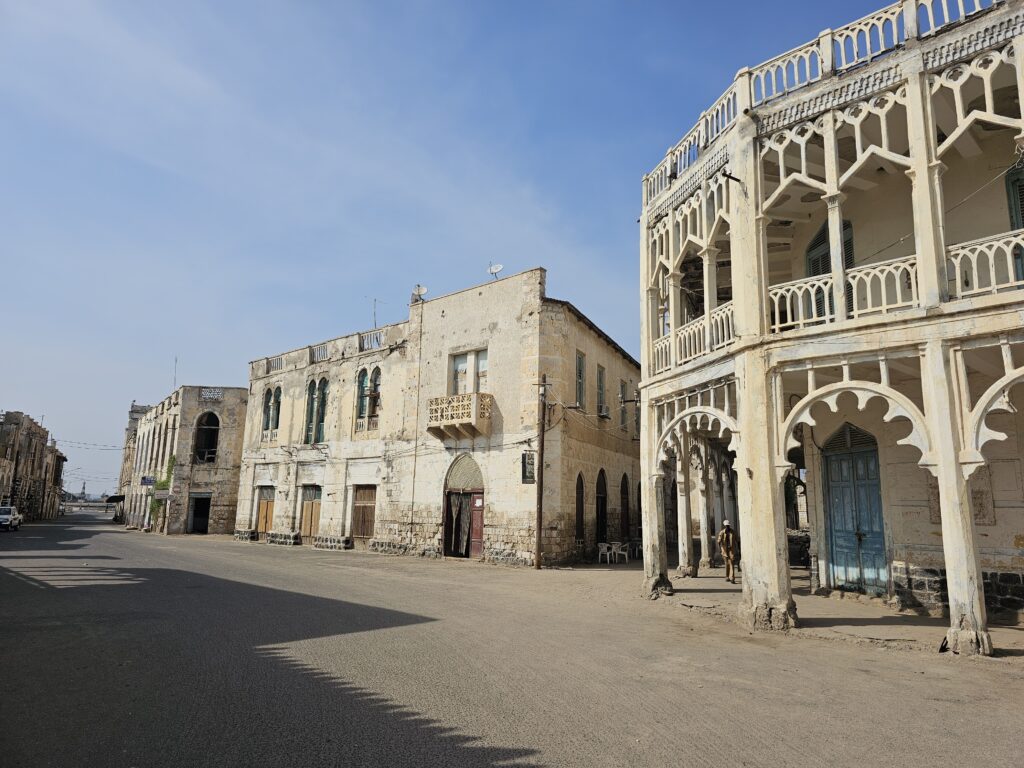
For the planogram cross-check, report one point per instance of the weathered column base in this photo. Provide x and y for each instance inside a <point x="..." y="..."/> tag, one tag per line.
<point x="705" y="564"/>
<point x="969" y="642"/>
<point x="778" y="617"/>
<point x="655" y="587"/>
<point x="687" y="571"/>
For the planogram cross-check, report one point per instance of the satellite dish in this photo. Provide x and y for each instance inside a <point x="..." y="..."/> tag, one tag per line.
<point x="419" y="290"/>
<point x="494" y="269"/>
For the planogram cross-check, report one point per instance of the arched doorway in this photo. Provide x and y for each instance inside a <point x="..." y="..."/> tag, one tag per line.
<point x="463" y="529"/>
<point x="580" y="524"/>
<point x="601" y="508"/>
<point x="853" y="511"/>
<point x="624" y="526"/>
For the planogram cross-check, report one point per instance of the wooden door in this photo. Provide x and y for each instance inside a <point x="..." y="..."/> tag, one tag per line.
<point x="264" y="512"/>
<point x="364" y="509"/>
<point x="476" y="525"/>
<point x="309" y="525"/>
<point x="856" y="525"/>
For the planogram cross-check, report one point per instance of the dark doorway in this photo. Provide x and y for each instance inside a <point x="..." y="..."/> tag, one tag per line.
<point x="624" y="527"/>
<point x="601" y="508"/>
<point x="580" y="523"/>
<point x="200" y="514"/>
<point x="463" y="528"/>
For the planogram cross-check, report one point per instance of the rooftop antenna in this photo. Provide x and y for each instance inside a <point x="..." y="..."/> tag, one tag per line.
<point x="418" y="293"/>
<point x="494" y="269"/>
<point x="375" y="303"/>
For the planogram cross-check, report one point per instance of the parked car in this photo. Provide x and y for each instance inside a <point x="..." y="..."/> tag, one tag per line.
<point x="10" y="518"/>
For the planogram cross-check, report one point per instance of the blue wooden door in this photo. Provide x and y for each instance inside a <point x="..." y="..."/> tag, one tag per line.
<point x="856" y="529"/>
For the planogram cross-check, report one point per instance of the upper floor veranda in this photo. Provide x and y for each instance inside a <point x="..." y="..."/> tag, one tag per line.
<point x="871" y="176"/>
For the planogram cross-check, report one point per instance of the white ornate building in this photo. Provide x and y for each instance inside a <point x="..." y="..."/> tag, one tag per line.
<point x="832" y="262"/>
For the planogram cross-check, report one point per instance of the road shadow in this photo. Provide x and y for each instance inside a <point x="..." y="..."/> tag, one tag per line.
<point x="148" y="667"/>
<point x="47" y="535"/>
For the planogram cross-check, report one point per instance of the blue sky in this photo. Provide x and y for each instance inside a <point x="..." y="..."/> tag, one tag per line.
<point x="222" y="181"/>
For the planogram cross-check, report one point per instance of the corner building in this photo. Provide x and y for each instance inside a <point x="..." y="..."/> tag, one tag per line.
<point x="181" y="459"/>
<point x="412" y="438"/>
<point x="832" y="262"/>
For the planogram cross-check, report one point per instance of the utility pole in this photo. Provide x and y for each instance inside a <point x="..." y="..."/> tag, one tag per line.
<point x="541" y="427"/>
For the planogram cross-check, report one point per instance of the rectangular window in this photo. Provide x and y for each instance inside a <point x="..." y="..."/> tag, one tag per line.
<point x="602" y="405"/>
<point x="481" y="370"/>
<point x="460" y="379"/>
<point x="581" y="381"/>
<point x="623" y="419"/>
<point x="636" y="417"/>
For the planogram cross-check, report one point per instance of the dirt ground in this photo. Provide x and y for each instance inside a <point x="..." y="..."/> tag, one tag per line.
<point x="150" y="651"/>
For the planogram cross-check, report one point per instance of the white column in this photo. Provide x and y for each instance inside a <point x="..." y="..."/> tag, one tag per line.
<point x="674" y="314"/>
<point x="656" y="581"/>
<point x="833" y="199"/>
<point x="704" y="510"/>
<point x="968" y="632"/>
<point x="709" y="256"/>
<point x="925" y="174"/>
<point x="687" y="558"/>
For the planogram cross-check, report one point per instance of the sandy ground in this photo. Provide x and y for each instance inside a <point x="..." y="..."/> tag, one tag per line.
<point x="127" y="649"/>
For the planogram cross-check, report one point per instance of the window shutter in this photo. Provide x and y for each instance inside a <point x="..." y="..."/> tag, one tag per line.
<point x="1017" y="201"/>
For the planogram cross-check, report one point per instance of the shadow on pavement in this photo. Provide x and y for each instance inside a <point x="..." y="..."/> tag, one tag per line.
<point x="160" y="667"/>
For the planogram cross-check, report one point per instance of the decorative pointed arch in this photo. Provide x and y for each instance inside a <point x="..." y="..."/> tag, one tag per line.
<point x="699" y="418"/>
<point x="977" y="433"/>
<point x="900" y="406"/>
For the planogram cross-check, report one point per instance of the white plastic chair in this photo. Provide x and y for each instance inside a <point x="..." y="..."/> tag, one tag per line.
<point x="620" y="550"/>
<point x="605" y="551"/>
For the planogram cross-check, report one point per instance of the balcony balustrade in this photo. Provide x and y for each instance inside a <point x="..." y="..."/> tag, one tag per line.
<point x="720" y="327"/>
<point x="986" y="266"/>
<point x="460" y="416"/>
<point x="691" y="340"/>
<point x="883" y="287"/>
<point x="800" y="303"/>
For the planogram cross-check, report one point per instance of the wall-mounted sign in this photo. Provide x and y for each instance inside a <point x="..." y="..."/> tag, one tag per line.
<point x="529" y="467"/>
<point x="161" y="494"/>
<point x="147" y="481"/>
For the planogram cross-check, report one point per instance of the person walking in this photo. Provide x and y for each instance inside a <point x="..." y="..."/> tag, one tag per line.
<point x="728" y="546"/>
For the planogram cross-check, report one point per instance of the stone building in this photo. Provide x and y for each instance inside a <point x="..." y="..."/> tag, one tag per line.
<point x="31" y="467"/>
<point x="135" y="414"/>
<point x="416" y="437"/>
<point x="832" y="263"/>
<point x="185" y="455"/>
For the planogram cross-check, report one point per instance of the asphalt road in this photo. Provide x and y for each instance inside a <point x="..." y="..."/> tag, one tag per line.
<point x="125" y="649"/>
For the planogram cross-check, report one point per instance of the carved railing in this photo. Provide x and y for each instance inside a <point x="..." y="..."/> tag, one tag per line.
<point x="367" y="424"/>
<point x="662" y="354"/>
<point x="318" y="353"/>
<point x="840" y="50"/>
<point x="786" y="73"/>
<point x="986" y="266"/>
<point x="800" y="303"/>
<point x="274" y="364"/>
<point x="691" y="340"/>
<point x="868" y="38"/>
<point x="883" y="287"/>
<point x="933" y="15"/>
<point x="720" y="327"/>
<point x="467" y="414"/>
<point x="371" y="340"/>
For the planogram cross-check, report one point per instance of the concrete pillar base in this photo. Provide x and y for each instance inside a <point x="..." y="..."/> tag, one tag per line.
<point x="779" y="617"/>
<point x="705" y="564"/>
<point x="653" y="588"/>
<point x="969" y="642"/>
<point x="685" y="572"/>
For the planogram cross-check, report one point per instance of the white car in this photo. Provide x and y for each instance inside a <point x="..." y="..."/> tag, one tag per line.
<point x="10" y="518"/>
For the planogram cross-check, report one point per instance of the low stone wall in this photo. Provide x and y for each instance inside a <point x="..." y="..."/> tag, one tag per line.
<point x="246" y="534"/>
<point x="920" y="589"/>
<point x="1004" y="593"/>
<point x="284" y="538"/>
<point x="332" y="542"/>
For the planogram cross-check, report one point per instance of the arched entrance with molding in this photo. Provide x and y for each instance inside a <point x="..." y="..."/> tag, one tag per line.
<point x="463" y="528"/>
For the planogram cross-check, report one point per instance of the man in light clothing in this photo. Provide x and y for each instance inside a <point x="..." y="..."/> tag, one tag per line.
<point x="728" y="546"/>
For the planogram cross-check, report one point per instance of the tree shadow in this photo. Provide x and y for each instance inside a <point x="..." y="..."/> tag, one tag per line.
<point x="159" y="667"/>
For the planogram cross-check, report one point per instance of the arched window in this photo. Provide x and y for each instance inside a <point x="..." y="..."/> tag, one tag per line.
<point x="362" y="394"/>
<point x="373" y="405"/>
<point x="321" y="410"/>
<point x="580" y="526"/>
<point x="601" y="507"/>
<point x="310" y="412"/>
<point x="205" y="443"/>
<point x="268" y="404"/>
<point x="275" y="420"/>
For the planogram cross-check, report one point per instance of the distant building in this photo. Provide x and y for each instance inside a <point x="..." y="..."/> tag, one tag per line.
<point x="31" y="467"/>
<point x="184" y="455"/>
<point x="421" y="437"/>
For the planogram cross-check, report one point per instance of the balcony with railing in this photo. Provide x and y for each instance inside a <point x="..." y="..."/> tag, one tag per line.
<point x="460" y="416"/>
<point x="987" y="266"/>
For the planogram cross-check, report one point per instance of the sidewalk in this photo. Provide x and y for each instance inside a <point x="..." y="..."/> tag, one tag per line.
<point x="838" y="617"/>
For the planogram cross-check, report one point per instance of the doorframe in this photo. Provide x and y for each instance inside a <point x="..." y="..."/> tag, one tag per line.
<point x="824" y="514"/>
<point x="444" y="515"/>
